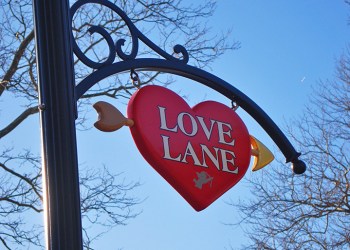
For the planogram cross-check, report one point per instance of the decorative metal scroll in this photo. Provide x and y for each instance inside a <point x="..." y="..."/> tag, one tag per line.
<point x="116" y="48"/>
<point x="173" y="65"/>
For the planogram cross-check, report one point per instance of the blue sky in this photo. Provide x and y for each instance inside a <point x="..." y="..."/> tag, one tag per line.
<point x="286" y="47"/>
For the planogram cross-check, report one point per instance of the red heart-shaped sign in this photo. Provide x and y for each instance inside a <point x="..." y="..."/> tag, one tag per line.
<point x="201" y="151"/>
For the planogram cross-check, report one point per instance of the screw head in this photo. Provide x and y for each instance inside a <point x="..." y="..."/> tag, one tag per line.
<point x="41" y="107"/>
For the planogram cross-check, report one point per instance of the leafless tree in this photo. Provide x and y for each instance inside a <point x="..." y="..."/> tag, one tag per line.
<point x="105" y="197"/>
<point x="312" y="210"/>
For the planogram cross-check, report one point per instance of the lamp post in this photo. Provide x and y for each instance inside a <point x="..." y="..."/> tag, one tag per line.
<point x="57" y="106"/>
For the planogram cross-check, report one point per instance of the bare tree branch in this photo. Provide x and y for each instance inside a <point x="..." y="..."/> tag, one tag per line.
<point x="312" y="210"/>
<point x="15" y="61"/>
<point x="18" y="120"/>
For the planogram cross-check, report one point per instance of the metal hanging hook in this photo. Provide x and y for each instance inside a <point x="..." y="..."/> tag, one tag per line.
<point x="135" y="79"/>
<point x="234" y="104"/>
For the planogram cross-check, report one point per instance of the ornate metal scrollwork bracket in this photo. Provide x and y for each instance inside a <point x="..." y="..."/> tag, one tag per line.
<point x="173" y="65"/>
<point x="116" y="48"/>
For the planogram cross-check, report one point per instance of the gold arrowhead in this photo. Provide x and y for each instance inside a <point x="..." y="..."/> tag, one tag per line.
<point x="262" y="155"/>
<point x="110" y="118"/>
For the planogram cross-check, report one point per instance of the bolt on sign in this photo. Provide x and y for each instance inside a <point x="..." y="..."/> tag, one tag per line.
<point x="201" y="151"/>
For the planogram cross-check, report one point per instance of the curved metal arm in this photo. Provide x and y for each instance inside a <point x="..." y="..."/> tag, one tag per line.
<point x="209" y="80"/>
<point x="172" y="65"/>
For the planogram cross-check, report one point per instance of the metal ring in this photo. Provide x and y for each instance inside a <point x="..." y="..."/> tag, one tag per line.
<point x="234" y="105"/>
<point x="135" y="78"/>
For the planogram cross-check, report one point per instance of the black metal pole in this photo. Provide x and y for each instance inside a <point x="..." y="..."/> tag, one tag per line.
<point x="57" y="113"/>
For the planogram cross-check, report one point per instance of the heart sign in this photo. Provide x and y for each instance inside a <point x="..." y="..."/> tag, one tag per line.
<point x="201" y="151"/>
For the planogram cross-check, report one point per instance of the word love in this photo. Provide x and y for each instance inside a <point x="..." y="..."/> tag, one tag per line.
<point x="201" y="151"/>
<point x="224" y="137"/>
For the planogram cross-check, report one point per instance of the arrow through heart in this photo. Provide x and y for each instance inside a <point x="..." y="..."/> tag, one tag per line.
<point x="201" y="151"/>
